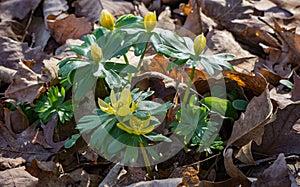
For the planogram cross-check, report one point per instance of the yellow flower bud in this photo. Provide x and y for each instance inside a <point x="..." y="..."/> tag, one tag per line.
<point x="96" y="52"/>
<point x="107" y="20"/>
<point x="199" y="44"/>
<point x="150" y="21"/>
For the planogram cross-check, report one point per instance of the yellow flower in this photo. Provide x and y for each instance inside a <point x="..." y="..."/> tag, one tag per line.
<point x="107" y="20"/>
<point x="137" y="126"/>
<point x="150" y="21"/>
<point x="199" y="44"/>
<point x="96" y="52"/>
<point x="120" y="107"/>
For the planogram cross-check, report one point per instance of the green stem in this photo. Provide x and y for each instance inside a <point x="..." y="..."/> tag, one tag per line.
<point x="187" y="91"/>
<point x="126" y="59"/>
<point x="142" y="58"/>
<point x="127" y="62"/>
<point x="146" y="160"/>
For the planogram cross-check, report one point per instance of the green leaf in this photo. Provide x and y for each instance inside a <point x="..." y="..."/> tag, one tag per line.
<point x="157" y="137"/>
<point x="131" y="154"/>
<point x="141" y="43"/>
<point x="84" y="81"/>
<point x="220" y="106"/>
<point x="287" y="83"/>
<point x="113" y="79"/>
<point x="129" y="21"/>
<point x="240" y="104"/>
<point x="69" y="143"/>
<point x="154" y="108"/>
<point x="121" y="68"/>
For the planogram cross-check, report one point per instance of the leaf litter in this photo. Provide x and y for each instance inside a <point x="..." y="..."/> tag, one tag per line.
<point x="262" y="34"/>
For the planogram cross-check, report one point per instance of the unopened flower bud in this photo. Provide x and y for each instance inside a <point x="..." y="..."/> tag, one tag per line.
<point x="199" y="44"/>
<point x="96" y="52"/>
<point x="150" y="21"/>
<point x="107" y="20"/>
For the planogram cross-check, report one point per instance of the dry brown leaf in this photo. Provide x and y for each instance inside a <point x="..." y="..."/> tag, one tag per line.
<point x="91" y="9"/>
<point x="29" y="145"/>
<point x="282" y="100"/>
<point x="159" y="182"/>
<point x="186" y="8"/>
<point x="8" y="163"/>
<point x="296" y="90"/>
<point x="282" y="60"/>
<point x="26" y="85"/>
<point x="250" y="126"/>
<point x="270" y="76"/>
<point x="189" y="175"/>
<point x="54" y="7"/>
<point x="48" y="130"/>
<point x="245" y="154"/>
<point x="12" y="52"/>
<point x="278" y="136"/>
<point x="18" y="8"/>
<point x="83" y="178"/>
<point x="46" y="172"/>
<point x="68" y="27"/>
<point x="17" y="120"/>
<point x="277" y="175"/>
<point x="254" y="83"/>
<point x="160" y="64"/>
<point x="17" y="177"/>
<point x="222" y="41"/>
<point x="233" y="171"/>
<point x="10" y="28"/>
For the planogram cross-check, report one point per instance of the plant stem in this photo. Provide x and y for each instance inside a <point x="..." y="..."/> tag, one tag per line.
<point x="187" y="91"/>
<point x="146" y="160"/>
<point x="127" y="62"/>
<point x="142" y="57"/>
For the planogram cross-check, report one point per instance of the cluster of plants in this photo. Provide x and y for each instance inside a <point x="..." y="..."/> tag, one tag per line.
<point x="123" y="123"/>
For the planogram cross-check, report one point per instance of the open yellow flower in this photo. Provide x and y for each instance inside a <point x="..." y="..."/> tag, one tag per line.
<point x="120" y="107"/>
<point x="199" y="44"/>
<point x="107" y="20"/>
<point x="150" y="21"/>
<point x="137" y="126"/>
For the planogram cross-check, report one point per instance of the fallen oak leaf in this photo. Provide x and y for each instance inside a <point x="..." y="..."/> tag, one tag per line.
<point x="22" y="145"/>
<point x="276" y="175"/>
<point x="17" y="177"/>
<point x="255" y="83"/>
<point x="250" y="126"/>
<point x="68" y="27"/>
<point x="279" y="136"/>
<point x="26" y="85"/>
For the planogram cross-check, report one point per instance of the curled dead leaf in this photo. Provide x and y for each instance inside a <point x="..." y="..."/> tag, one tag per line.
<point x="255" y="83"/>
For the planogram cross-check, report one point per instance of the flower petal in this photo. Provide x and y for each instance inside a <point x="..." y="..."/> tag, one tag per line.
<point x="150" y="21"/>
<point x="105" y="107"/>
<point x="123" y="111"/>
<point x="113" y="99"/>
<point x="125" y="128"/>
<point x="125" y="97"/>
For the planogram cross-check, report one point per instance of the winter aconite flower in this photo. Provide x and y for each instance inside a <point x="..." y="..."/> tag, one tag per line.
<point x="137" y="126"/>
<point x="107" y="20"/>
<point x="199" y="44"/>
<point x="96" y="52"/>
<point x="122" y="106"/>
<point x="150" y="21"/>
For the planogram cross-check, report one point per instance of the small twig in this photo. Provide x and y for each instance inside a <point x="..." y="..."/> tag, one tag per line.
<point x="27" y="25"/>
<point x="201" y="161"/>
